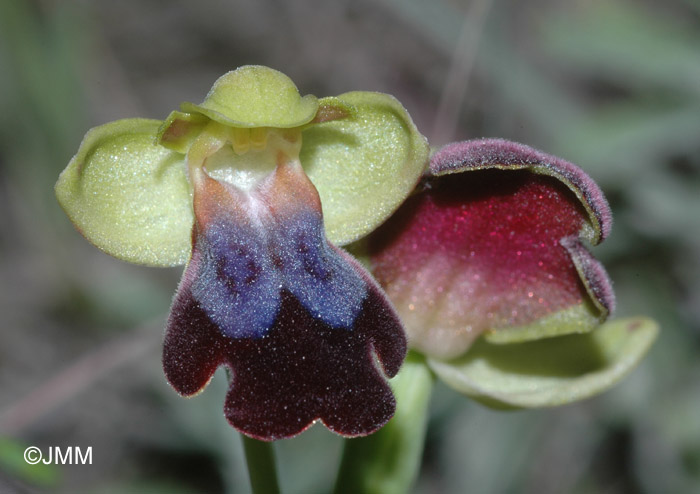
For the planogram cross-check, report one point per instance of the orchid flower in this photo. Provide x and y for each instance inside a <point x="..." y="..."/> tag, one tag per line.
<point x="475" y="251"/>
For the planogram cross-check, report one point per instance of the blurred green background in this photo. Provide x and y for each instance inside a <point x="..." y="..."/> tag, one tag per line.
<point x="613" y="86"/>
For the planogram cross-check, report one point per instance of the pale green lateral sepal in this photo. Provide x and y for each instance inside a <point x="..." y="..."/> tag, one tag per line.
<point x="365" y="165"/>
<point x="128" y="195"/>
<point x="552" y="371"/>
<point x="331" y="108"/>
<point x="179" y="130"/>
<point x="256" y="96"/>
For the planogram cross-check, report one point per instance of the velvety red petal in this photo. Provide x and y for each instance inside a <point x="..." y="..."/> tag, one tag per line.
<point x="500" y="153"/>
<point x="494" y="250"/>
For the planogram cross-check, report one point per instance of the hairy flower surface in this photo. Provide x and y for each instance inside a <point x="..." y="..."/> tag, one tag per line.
<point x="255" y="189"/>
<point x="487" y="267"/>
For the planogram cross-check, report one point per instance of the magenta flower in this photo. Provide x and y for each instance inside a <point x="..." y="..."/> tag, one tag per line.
<point x="493" y="245"/>
<point x="485" y="264"/>
<point x="257" y="187"/>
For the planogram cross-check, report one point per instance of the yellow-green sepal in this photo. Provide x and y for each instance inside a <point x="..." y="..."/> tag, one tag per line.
<point x="364" y="165"/>
<point x="180" y="129"/>
<point x="128" y="195"/>
<point x="256" y="96"/>
<point x="331" y="108"/>
<point x="551" y="371"/>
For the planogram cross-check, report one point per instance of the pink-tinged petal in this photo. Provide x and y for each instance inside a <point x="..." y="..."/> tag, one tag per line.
<point x="300" y="323"/>
<point x="496" y="251"/>
<point x="593" y="274"/>
<point x="499" y="153"/>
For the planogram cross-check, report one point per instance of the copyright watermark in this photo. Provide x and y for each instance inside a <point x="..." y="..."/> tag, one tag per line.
<point x="32" y="455"/>
<point x="72" y="455"/>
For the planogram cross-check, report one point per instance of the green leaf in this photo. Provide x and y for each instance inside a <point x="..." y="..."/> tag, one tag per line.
<point x="256" y="96"/>
<point x="627" y="43"/>
<point x="552" y="371"/>
<point x="129" y="196"/>
<point x="12" y="462"/>
<point x="364" y="166"/>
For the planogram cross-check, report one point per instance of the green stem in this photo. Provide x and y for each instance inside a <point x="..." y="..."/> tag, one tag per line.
<point x="260" y="456"/>
<point x="388" y="461"/>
